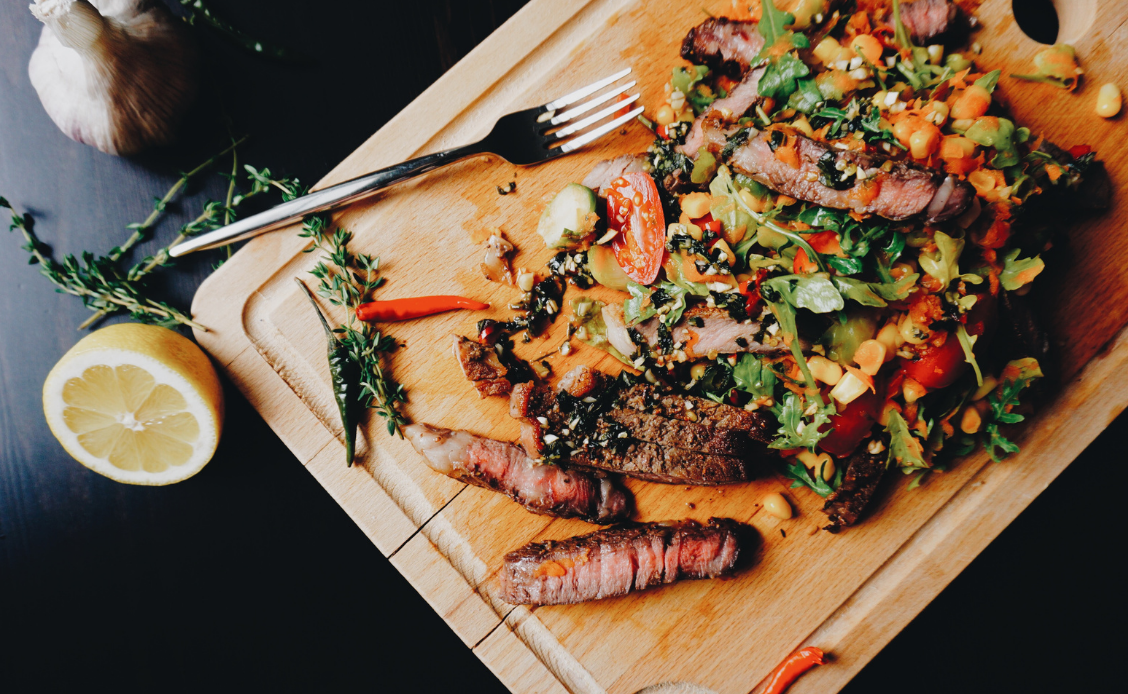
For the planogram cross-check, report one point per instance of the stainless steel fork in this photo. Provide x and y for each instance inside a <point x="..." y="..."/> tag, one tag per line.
<point x="526" y="137"/>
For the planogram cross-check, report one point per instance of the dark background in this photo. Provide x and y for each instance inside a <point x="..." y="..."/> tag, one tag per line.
<point x="249" y="575"/>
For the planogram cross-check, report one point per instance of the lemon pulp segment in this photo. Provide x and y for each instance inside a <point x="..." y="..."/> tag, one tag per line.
<point x="122" y="415"/>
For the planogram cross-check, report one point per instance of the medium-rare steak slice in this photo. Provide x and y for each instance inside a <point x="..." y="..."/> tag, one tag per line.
<point x="613" y="562"/>
<point x="863" y="473"/>
<point x="847" y="180"/>
<point x="723" y="44"/>
<point x="679" y="433"/>
<point x="929" y="20"/>
<point x="743" y="98"/>
<point x="503" y="467"/>
<point x="649" y="461"/>
<point x="702" y="330"/>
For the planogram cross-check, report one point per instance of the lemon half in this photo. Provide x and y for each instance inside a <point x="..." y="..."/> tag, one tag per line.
<point x="137" y="403"/>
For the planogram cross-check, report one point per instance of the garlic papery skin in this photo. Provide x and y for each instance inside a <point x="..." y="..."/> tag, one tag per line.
<point x="114" y="74"/>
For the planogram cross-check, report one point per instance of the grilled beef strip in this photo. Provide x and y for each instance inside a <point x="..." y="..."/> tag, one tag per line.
<point x="719" y="332"/>
<point x="651" y="462"/>
<point x="905" y="190"/>
<point x="643" y="431"/>
<point x="726" y="45"/>
<point x="863" y="473"/>
<point x="606" y="171"/>
<point x="613" y="562"/>
<point x="549" y="490"/>
<point x="644" y="397"/>
<point x="482" y="367"/>
<point x="933" y="21"/>
<point x="743" y="98"/>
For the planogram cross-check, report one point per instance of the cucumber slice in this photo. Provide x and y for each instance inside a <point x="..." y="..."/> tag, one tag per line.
<point x="565" y="221"/>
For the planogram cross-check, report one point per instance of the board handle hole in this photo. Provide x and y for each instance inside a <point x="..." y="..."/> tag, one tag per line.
<point x="1038" y="19"/>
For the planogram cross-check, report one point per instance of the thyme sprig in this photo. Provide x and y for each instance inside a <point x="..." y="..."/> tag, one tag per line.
<point x="348" y="279"/>
<point x="97" y="280"/>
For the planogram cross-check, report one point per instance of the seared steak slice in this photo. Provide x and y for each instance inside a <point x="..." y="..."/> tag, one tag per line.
<point x="608" y="170"/>
<point x="743" y="98"/>
<point x="649" y="461"/>
<point x="613" y="562"/>
<point x="907" y="189"/>
<point x="534" y="405"/>
<point x="678" y="433"/>
<point x="845" y="505"/>
<point x="482" y="366"/>
<point x="647" y="398"/>
<point x="719" y="332"/>
<point x="503" y="467"/>
<point x="929" y="20"/>
<point x="723" y="44"/>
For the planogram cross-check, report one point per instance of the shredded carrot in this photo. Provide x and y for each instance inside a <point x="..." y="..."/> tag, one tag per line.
<point x="788" y="155"/>
<point x="867" y="191"/>
<point x="958" y="80"/>
<point x="785" y="200"/>
<point x="1053" y="171"/>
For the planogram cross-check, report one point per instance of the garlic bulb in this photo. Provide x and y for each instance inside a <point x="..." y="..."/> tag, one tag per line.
<point x="115" y="74"/>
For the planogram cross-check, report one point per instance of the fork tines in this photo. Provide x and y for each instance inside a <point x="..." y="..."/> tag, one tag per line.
<point x="550" y="118"/>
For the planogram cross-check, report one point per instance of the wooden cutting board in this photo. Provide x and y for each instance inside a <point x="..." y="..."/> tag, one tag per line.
<point x="849" y="594"/>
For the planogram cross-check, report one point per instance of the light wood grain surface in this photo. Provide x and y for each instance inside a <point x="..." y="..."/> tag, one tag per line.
<point x="849" y="593"/>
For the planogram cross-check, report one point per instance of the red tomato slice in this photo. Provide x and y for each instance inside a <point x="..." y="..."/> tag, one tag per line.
<point x="851" y="425"/>
<point x="938" y="367"/>
<point x="635" y="211"/>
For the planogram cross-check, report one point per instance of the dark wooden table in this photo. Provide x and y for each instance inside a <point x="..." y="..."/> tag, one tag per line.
<point x="248" y="575"/>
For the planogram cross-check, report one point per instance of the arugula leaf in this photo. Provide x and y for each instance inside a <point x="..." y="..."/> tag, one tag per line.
<point x="781" y="77"/>
<point x="773" y="24"/>
<point x="728" y="207"/>
<point x="904" y="448"/>
<point x="795" y="431"/>
<point x="966" y="344"/>
<point x="785" y="314"/>
<point x="807" y="97"/>
<point x="900" y="33"/>
<point x="1017" y="376"/>
<point x="943" y="264"/>
<point x="1056" y="65"/>
<point x="638" y="308"/>
<point x="1017" y="273"/>
<point x="755" y="377"/>
<point x="684" y="79"/>
<point x="869" y="293"/>
<point x="818" y="294"/>
<point x="802" y="477"/>
<point x="989" y="81"/>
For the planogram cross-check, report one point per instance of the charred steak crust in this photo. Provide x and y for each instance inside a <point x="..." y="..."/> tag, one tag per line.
<point x="676" y="433"/>
<point x="614" y="562"/>
<point x="723" y="44"/>
<point x="907" y="189"/>
<point x="649" y="461"/>
<point x="845" y="505"/>
<point x="647" y="398"/>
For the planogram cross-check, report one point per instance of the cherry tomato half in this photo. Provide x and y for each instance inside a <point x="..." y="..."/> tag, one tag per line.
<point x="851" y="425"/>
<point x="634" y="210"/>
<point x="939" y="367"/>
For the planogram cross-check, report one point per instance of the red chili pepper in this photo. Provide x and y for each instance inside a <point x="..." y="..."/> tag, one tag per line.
<point x="663" y="132"/>
<point x="751" y="290"/>
<point x="707" y="223"/>
<point x="789" y="670"/>
<point x="405" y="309"/>
<point x="1078" y="151"/>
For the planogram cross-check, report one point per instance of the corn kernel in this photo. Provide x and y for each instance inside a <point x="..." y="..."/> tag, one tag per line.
<point x="665" y="115"/>
<point x="1108" y="100"/>
<point x="824" y="370"/>
<point x="696" y="205"/>
<point x="970" y="421"/>
<point x="913" y="391"/>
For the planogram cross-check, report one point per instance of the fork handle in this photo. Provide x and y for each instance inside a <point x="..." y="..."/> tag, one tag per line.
<point x="323" y="200"/>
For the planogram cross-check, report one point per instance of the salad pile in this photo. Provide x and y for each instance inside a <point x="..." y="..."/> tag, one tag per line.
<point x="877" y="334"/>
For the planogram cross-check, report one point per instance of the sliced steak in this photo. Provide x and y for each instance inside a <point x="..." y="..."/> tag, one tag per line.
<point x="608" y="170"/>
<point x="546" y="489"/>
<point x="534" y="406"/>
<point x="863" y="473"/>
<point x="725" y="45"/>
<point x="681" y="433"/>
<point x="904" y="191"/>
<point x="650" y="461"/>
<point x="743" y="98"/>
<point x="719" y="332"/>
<point x="931" y="20"/>
<point x="647" y="398"/>
<point x="482" y="367"/>
<point x="613" y="562"/>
